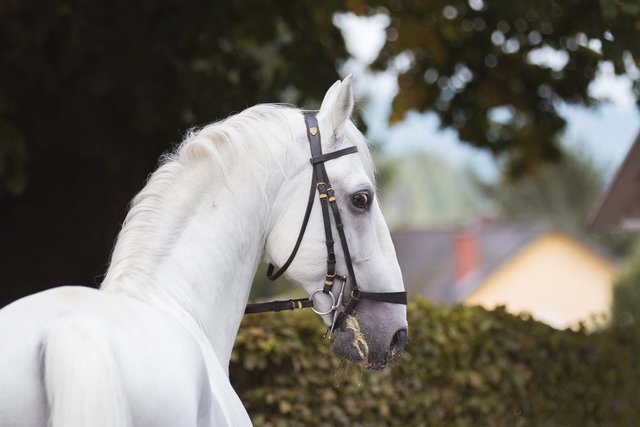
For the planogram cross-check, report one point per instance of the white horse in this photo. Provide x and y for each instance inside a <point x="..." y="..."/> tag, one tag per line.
<point x="152" y="346"/>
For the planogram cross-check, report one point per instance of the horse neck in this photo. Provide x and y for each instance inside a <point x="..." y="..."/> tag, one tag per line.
<point x="198" y="256"/>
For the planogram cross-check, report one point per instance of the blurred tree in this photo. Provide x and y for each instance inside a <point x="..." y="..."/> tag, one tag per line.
<point x="92" y="92"/>
<point x="424" y="191"/>
<point x="561" y="194"/>
<point x="496" y="70"/>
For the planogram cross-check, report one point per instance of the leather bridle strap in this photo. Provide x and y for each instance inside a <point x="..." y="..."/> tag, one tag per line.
<point x="291" y="304"/>
<point x="357" y="295"/>
<point x="305" y="221"/>
<point x="391" y="297"/>
<point x="320" y="182"/>
<point x="324" y="188"/>
<point x="333" y="155"/>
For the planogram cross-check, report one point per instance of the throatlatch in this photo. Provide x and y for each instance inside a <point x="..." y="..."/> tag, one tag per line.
<point x="320" y="183"/>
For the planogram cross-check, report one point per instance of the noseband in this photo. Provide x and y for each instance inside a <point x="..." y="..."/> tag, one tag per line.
<point x="328" y="203"/>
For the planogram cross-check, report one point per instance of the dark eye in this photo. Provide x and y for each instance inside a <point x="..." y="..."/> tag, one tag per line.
<point x="361" y="200"/>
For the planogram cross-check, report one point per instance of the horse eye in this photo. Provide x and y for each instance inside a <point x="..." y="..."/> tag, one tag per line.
<point x="361" y="200"/>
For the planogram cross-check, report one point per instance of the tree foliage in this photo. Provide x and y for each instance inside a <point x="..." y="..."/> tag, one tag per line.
<point x="93" y="92"/>
<point x="561" y="194"/>
<point x="476" y="64"/>
<point x="76" y="70"/>
<point x="462" y="367"/>
<point x="424" y="191"/>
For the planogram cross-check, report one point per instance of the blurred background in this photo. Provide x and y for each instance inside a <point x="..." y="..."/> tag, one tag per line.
<point x="499" y="128"/>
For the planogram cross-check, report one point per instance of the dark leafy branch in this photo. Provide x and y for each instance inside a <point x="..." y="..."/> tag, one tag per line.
<point x="474" y="63"/>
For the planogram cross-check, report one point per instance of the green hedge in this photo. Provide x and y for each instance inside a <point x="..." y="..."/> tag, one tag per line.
<point x="626" y="290"/>
<point x="462" y="367"/>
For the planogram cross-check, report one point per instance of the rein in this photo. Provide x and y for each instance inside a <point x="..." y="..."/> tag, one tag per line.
<point x="329" y="205"/>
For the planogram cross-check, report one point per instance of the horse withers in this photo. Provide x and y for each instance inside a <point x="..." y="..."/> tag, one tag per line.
<point x="152" y="346"/>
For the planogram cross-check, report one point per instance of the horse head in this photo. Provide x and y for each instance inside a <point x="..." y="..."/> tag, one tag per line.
<point x="359" y="293"/>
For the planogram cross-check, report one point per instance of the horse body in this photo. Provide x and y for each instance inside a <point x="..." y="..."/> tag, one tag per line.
<point x="167" y="374"/>
<point x="152" y="346"/>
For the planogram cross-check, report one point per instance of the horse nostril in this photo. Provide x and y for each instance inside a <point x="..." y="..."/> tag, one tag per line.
<point x="398" y="341"/>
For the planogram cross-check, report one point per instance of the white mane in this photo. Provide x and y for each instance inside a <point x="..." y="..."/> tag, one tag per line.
<point x="241" y="140"/>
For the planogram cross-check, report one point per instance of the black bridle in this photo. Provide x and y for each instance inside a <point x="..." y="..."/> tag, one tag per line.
<point x="328" y="203"/>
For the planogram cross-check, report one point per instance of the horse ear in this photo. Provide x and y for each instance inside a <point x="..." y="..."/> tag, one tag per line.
<point x="343" y="107"/>
<point x="338" y="104"/>
<point x="330" y="96"/>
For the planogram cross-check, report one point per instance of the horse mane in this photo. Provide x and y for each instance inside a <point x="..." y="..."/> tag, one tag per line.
<point x="147" y="230"/>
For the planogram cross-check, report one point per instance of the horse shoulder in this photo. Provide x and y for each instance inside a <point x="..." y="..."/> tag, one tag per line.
<point x="159" y="369"/>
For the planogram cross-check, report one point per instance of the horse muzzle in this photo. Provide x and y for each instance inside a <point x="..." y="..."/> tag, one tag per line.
<point x="354" y="343"/>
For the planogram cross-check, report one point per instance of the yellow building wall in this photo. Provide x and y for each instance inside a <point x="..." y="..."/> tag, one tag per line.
<point x="555" y="279"/>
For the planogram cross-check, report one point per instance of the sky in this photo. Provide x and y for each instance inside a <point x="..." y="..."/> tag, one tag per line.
<point x="605" y="132"/>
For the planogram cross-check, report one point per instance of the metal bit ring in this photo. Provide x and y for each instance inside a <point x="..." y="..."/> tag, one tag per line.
<point x="333" y="302"/>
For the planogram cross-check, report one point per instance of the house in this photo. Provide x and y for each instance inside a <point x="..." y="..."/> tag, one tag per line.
<point x="619" y="208"/>
<point x="556" y="277"/>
